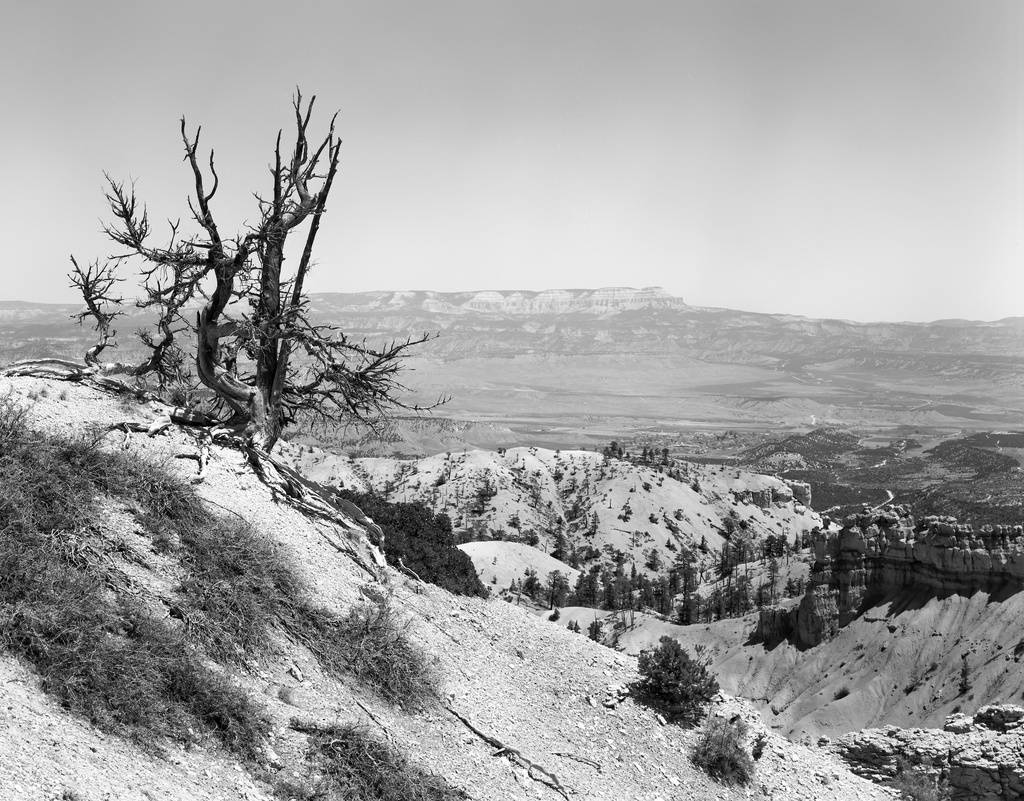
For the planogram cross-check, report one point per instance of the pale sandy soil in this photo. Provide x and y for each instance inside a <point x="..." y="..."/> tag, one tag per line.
<point x="499" y="563"/>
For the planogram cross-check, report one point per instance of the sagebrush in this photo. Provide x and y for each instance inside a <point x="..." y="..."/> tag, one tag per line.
<point x="378" y="651"/>
<point x="720" y="751"/>
<point x="349" y="763"/>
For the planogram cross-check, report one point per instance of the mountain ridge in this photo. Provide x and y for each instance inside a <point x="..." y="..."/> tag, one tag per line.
<point x="552" y="300"/>
<point x="638" y="357"/>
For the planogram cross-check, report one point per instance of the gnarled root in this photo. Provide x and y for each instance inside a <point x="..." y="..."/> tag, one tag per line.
<point x="544" y="776"/>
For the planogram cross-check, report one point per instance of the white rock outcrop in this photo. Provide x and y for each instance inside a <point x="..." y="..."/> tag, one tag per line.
<point x="982" y="759"/>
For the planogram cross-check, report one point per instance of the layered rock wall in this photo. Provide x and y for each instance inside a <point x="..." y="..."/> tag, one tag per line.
<point x="877" y="553"/>
<point x="981" y="759"/>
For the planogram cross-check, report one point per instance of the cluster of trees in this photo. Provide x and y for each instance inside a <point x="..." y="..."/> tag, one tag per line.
<point x="614" y="587"/>
<point x="652" y="456"/>
<point x="617" y="585"/>
<point x="554" y="591"/>
<point x="419" y="540"/>
<point x="603" y="586"/>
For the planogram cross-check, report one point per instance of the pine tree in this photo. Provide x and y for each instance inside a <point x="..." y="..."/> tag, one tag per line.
<point x="681" y="683"/>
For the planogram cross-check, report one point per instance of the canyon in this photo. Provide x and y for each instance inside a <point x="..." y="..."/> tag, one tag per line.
<point x="771" y="421"/>
<point x="881" y="553"/>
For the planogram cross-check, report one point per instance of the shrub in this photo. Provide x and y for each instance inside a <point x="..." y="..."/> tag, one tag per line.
<point x="423" y="541"/>
<point x="349" y="763"/>
<point x="965" y="675"/>
<point x="235" y="587"/>
<point x="841" y="693"/>
<point x="374" y="644"/>
<point x="719" y="752"/>
<point x="682" y="685"/>
<point x="914" y="784"/>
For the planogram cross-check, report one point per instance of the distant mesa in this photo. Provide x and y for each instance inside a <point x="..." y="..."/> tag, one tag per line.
<point x="510" y="302"/>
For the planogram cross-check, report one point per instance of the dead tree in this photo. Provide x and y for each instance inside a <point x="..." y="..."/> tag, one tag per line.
<point x="256" y="346"/>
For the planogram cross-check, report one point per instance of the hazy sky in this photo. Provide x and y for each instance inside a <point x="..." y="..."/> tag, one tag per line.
<point x="851" y="159"/>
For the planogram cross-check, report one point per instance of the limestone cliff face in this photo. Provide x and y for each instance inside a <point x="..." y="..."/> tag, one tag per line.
<point x="878" y="553"/>
<point x="507" y="302"/>
<point x="982" y="759"/>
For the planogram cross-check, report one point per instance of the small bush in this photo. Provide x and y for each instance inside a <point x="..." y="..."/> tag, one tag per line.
<point x="841" y="693"/>
<point x="965" y="675"/>
<point x="349" y="763"/>
<point x="374" y="644"/>
<point x="719" y="752"/>
<point x="682" y="685"/>
<point x="915" y="784"/>
<point x="236" y="585"/>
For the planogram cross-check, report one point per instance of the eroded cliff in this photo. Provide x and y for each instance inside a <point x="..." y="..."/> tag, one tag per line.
<point x="878" y="553"/>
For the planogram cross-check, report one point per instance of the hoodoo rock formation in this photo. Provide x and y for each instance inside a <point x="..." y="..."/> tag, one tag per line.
<point x="877" y="553"/>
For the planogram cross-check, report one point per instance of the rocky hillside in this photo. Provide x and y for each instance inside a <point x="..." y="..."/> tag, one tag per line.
<point x="600" y="505"/>
<point x="903" y="623"/>
<point x="530" y="684"/>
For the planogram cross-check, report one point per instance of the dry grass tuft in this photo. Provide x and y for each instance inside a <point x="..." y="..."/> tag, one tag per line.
<point x="101" y="654"/>
<point x="349" y="763"/>
<point x="719" y="752"/>
<point x="372" y="644"/>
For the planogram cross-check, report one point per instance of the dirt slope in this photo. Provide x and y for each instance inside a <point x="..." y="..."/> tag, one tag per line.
<point x="898" y="664"/>
<point x="530" y="683"/>
<point x="498" y="563"/>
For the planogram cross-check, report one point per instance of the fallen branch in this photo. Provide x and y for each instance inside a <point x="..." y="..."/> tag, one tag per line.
<point x="546" y="776"/>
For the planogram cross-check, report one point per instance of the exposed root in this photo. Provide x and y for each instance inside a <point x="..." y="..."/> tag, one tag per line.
<point x="418" y="588"/>
<point x="204" y="436"/>
<point x="544" y="776"/>
<point x="61" y="369"/>
<point x="576" y="758"/>
<point x="289" y="486"/>
<point x="375" y="719"/>
<point x="93" y="372"/>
